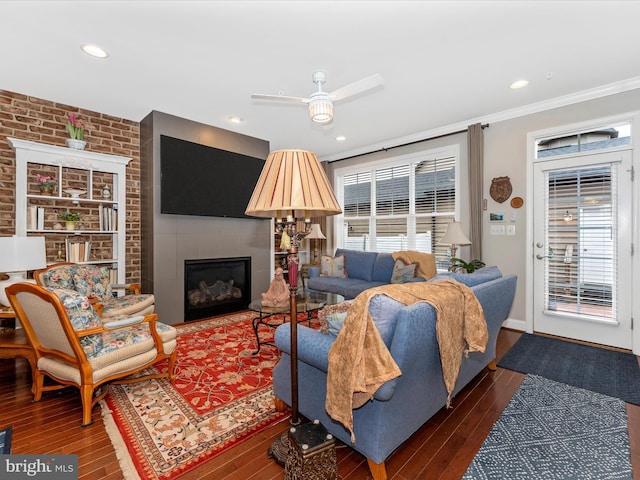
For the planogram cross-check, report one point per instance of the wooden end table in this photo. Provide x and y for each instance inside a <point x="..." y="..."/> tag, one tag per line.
<point x="14" y="343"/>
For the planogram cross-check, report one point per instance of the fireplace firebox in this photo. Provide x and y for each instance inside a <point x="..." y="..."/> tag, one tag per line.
<point x="216" y="286"/>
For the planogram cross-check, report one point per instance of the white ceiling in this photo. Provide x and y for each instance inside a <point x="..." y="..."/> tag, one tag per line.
<point x="445" y="63"/>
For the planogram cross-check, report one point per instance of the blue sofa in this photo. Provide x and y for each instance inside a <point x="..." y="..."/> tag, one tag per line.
<point x="364" y="269"/>
<point x="402" y="405"/>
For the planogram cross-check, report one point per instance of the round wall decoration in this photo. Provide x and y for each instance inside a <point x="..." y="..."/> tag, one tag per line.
<point x="500" y="189"/>
<point x="517" y="202"/>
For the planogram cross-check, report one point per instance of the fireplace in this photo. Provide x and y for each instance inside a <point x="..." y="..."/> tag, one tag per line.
<point x="216" y="286"/>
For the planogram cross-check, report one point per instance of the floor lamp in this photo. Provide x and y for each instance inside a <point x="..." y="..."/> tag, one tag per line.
<point x="292" y="188"/>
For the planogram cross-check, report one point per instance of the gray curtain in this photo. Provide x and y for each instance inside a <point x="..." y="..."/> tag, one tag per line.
<point x="475" y="147"/>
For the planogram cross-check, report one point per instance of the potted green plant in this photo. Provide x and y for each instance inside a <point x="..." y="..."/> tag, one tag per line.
<point x="458" y="265"/>
<point x="70" y="219"/>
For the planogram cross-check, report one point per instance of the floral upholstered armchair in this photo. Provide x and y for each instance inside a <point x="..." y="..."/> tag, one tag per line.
<point x="73" y="346"/>
<point x="92" y="281"/>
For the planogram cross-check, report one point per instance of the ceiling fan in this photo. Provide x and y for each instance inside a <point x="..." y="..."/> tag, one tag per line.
<point x="321" y="102"/>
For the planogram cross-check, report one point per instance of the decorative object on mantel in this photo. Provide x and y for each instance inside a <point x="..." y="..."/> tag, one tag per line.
<point x="70" y="219"/>
<point x="46" y="184"/>
<point x="106" y="192"/>
<point x="278" y="293"/>
<point x="517" y="202"/>
<point x="500" y="189"/>
<point x="76" y="132"/>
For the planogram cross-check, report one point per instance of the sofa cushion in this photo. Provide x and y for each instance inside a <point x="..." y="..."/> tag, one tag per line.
<point x="59" y="277"/>
<point x="384" y="312"/>
<point x="402" y="273"/>
<point x="142" y="304"/>
<point x="333" y="266"/>
<point x="356" y="287"/>
<point x="92" y="280"/>
<point x="359" y="264"/>
<point x="383" y="267"/>
<point x="79" y="310"/>
<point x="484" y="274"/>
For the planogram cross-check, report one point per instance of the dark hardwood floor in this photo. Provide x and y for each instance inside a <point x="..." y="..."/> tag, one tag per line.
<point x="441" y="449"/>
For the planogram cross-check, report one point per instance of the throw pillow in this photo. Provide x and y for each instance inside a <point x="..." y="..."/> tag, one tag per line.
<point x="333" y="266"/>
<point x="332" y="317"/>
<point x="402" y="273"/>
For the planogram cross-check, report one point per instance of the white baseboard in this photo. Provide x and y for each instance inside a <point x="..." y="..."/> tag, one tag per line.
<point x="515" y="324"/>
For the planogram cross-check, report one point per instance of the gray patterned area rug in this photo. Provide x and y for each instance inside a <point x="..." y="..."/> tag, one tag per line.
<point x="609" y="372"/>
<point x="551" y="431"/>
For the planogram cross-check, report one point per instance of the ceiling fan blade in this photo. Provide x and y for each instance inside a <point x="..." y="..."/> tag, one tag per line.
<point x="281" y="98"/>
<point x="355" y="88"/>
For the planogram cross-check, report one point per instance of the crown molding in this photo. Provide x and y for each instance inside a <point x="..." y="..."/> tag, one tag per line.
<point x="570" y="99"/>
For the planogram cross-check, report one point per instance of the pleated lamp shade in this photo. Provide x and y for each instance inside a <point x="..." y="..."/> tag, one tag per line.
<point x="292" y="183"/>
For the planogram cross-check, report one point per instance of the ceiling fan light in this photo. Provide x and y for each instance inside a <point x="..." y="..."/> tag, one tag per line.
<point x="321" y="111"/>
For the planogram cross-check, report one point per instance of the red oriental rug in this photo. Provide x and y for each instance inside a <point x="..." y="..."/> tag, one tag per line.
<point x="223" y="395"/>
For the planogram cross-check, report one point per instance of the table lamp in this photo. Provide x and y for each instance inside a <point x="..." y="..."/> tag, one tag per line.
<point x="455" y="237"/>
<point x="17" y="256"/>
<point x="291" y="188"/>
<point x="316" y="235"/>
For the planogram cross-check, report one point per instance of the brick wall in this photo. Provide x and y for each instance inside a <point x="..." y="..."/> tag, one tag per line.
<point x="38" y="120"/>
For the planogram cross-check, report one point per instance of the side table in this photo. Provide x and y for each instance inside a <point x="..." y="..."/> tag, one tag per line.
<point x="304" y="272"/>
<point x="14" y="343"/>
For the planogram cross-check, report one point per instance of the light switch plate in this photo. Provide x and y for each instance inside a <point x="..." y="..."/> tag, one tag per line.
<point x="511" y="229"/>
<point x="497" y="229"/>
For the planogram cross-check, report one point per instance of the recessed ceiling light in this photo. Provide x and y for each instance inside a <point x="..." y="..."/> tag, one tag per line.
<point x="236" y="119"/>
<point x="519" y="84"/>
<point x="94" y="51"/>
<point x="341" y="138"/>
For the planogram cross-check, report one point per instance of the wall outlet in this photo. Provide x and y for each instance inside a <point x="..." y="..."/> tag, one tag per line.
<point x="511" y="230"/>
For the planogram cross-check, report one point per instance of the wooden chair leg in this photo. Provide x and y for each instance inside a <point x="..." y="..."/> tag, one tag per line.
<point x="280" y="405"/>
<point x="492" y="365"/>
<point x="378" y="470"/>
<point x="86" y="394"/>
<point x="38" y="386"/>
<point x="172" y="366"/>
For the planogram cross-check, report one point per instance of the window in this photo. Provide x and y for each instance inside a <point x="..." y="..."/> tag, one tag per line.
<point x="604" y="138"/>
<point x="399" y="204"/>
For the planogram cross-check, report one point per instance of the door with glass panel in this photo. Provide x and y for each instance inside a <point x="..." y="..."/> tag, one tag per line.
<point x="582" y="236"/>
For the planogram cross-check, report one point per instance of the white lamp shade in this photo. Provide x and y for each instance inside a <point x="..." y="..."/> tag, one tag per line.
<point x="19" y="254"/>
<point x="454" y="235"/>
<point x="316" y="233"/>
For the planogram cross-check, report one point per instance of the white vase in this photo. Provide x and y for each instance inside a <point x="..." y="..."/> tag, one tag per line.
<point x="70" y="225"/>
<point x="76" y="144"/>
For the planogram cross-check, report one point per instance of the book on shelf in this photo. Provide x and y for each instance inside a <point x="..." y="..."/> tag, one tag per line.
<point x="113" y="276"/>
<point x="78" y="251"/>
<point x="108" y="217"/>
<point x="35" y="220"/>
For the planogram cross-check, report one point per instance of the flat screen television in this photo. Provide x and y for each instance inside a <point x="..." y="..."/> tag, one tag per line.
<point x="205" y="181"/>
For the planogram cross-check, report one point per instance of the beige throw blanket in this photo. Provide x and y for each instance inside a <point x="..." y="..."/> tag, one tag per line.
<point x="425" y="262"/>
<point x="359" y="361"/>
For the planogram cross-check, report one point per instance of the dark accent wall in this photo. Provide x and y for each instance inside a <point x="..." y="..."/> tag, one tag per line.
<point x="168" y="240"/>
